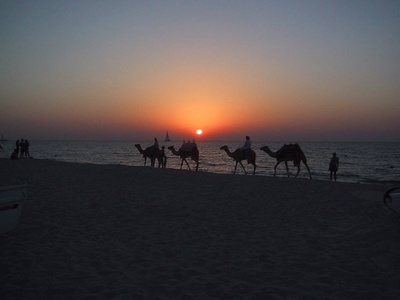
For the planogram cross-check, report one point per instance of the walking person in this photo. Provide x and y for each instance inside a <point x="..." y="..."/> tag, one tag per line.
<point x="333" y="165"/>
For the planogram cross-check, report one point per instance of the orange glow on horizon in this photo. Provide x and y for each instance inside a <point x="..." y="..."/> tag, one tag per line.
<point x="223" y="106"/>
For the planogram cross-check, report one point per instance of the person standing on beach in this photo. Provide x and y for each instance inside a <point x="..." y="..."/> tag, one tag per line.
<point x="334" y="165"/>
<point x="22" y="148"/>
<point x="27" y="149"/>
<point x="164" y="158"/>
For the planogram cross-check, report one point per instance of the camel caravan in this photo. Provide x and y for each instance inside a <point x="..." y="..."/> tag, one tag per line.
<point x="286" y="153"/>
<point x="187" y="150"/>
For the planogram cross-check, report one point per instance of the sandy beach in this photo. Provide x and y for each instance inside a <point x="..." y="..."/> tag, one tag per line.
<point x="118" y="232"/>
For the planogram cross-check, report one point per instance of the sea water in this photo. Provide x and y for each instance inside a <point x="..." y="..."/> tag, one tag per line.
<point x="359" y="162"/>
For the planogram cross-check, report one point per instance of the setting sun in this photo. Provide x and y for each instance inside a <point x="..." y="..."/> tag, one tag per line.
<point x="199" y="131"/>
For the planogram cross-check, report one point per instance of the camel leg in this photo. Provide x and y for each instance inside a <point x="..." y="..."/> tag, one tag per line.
<point x="308" y="169"/>
<point x="160" y="162"/>
<point x="197" y="165"/>
<point x="298" y="170"/>
<point x="182" y="163"/>
<point x="287" y="169"/>
<point x="242" y="167"/>
<point x="145" y="160"/>
<point x="187" y="163"/>
<point x="276" y="167"/>
<point x="254" y="164"/>
<point x="234" y="171"/>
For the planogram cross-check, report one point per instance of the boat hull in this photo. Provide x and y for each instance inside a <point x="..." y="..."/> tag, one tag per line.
<point x="11" y="202"/>
<point x="392" y="199"/>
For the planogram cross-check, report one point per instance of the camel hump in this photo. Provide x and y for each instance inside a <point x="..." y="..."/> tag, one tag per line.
<point x="188" y="147"/>
<point x="293" y="150"/>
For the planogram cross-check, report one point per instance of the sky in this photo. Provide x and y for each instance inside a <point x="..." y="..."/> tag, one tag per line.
<point x="133" y="70"/>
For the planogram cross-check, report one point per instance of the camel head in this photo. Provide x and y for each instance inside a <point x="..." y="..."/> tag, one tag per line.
<point x="226" y="149"/>
<point x="139" y="147"/>
<point x="268" y="151"/>
<point x="174" y="152"/>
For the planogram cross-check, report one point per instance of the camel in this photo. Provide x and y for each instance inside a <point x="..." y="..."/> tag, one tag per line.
<point x="237" y="156"/>
<point x="185" y="152"/>
<point x="147" y="153"/>
<point x="287" y="153"/>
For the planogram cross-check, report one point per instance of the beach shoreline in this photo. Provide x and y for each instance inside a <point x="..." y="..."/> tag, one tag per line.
<point x="123" y="232"/>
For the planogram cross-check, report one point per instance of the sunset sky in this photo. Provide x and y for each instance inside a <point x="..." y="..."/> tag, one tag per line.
<point x="131" y="70"/>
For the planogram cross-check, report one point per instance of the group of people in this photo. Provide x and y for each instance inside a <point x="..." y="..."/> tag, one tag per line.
<point x="21" y="149"/>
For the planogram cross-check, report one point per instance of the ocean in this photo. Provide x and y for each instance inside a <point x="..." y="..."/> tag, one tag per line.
<point x="360" y="162"/>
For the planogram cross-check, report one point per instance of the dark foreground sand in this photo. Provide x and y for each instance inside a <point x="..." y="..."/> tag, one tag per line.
<point x="118" y="232"/>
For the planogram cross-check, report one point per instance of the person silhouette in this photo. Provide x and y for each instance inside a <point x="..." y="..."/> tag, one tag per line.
<point x="27" y="154"/>
<point x="154" y="148"/>
<point x="164" y="158"/>
<point x="14" y="154"/>
<point x="333" y="165"/>
<point x="22" y="146"/>
<point x="244" y="151"/>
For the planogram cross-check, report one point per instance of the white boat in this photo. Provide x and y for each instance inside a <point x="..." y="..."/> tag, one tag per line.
<point x="11" y="201"/>
<point x="392" y="199"/>
<point x="167" y="138"/>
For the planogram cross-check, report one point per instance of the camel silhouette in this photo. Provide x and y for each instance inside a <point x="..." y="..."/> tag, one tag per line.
<point x="152" y="155"/>
<point x="291" y="152"/>
<point x="185" y="152"/>
<point x="237" y="156"/>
